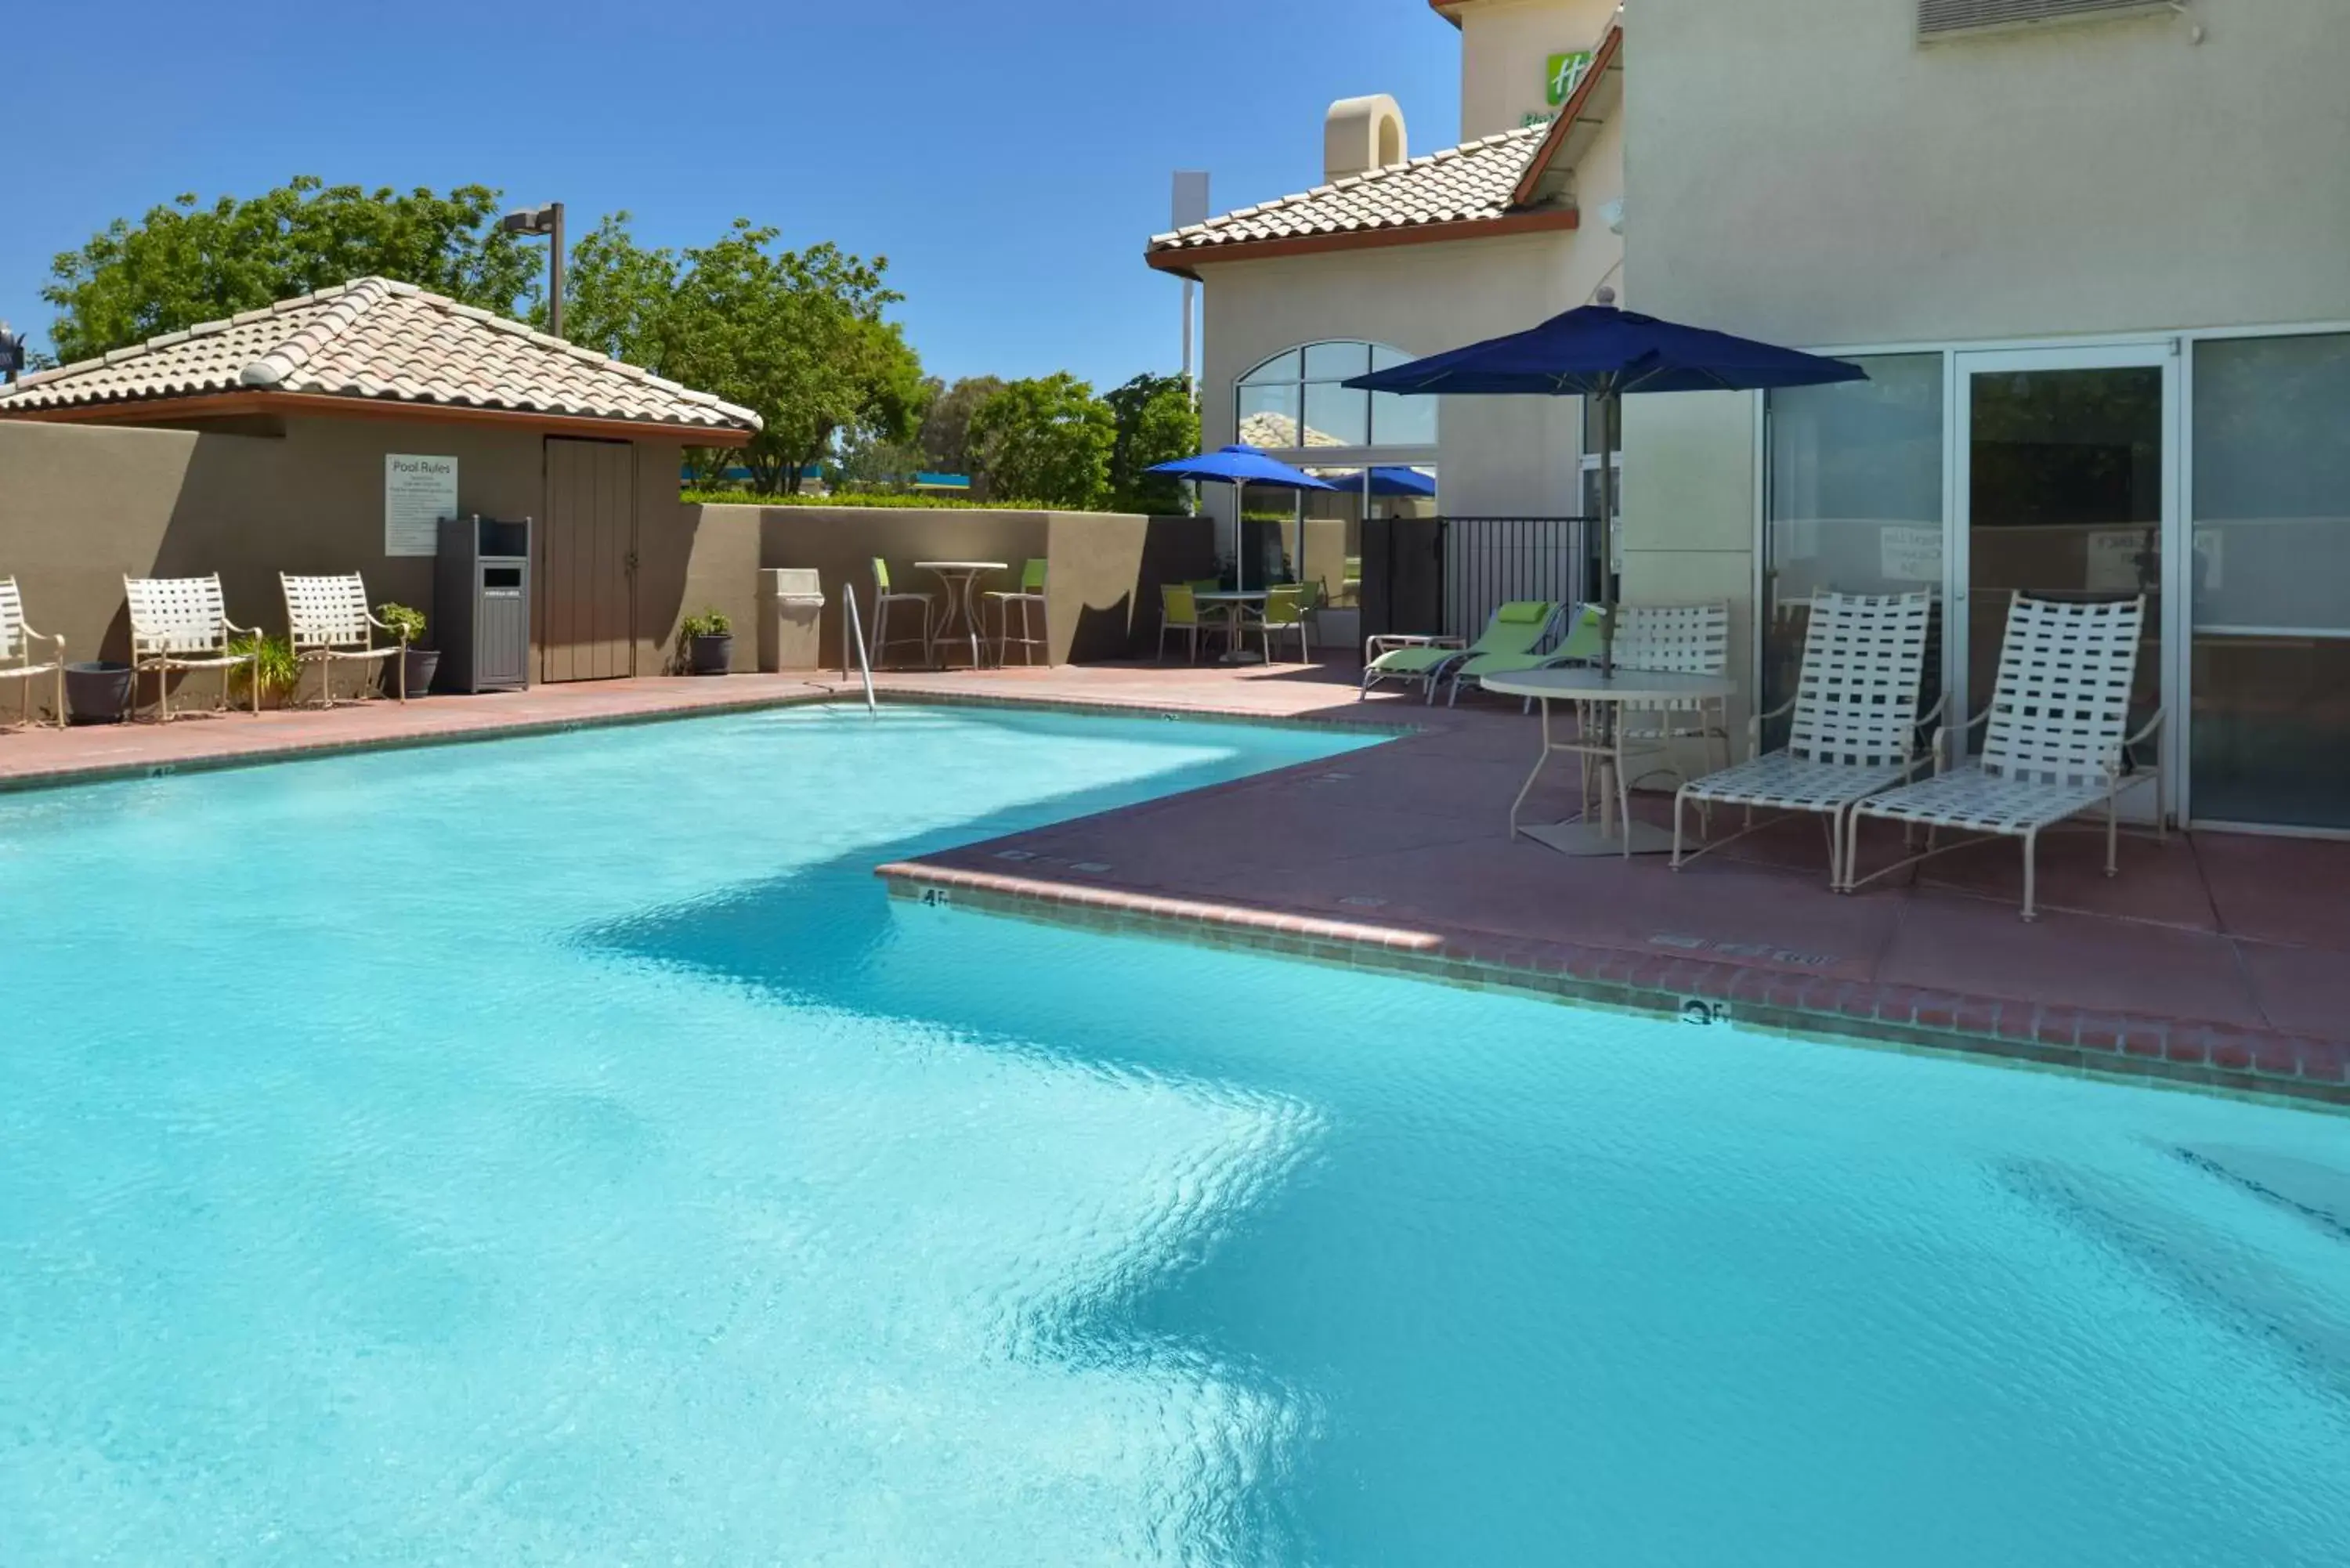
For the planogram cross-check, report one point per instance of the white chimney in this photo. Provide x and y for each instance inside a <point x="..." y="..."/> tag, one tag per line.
<point x="1361" y="134"/>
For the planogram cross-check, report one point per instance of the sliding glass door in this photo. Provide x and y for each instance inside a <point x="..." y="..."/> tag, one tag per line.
<point x="2268" y="737"/>
<point x="2066" y="486"/>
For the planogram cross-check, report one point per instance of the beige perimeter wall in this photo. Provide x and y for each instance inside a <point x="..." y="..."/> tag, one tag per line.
<point x="1103" y="568"/>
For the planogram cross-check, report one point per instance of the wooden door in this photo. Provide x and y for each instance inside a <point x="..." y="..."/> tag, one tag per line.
<point x="587" y="557"/>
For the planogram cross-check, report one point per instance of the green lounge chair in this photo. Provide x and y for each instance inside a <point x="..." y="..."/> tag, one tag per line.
<point x="1518" y="626"/>
<point x="1581" y="646"/>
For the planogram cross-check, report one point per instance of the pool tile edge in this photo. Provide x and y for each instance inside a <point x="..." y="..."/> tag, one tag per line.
<point x="2272" y="1065"/>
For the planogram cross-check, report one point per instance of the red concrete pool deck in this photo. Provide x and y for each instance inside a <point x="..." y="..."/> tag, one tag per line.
<point x="2222" y="959"/>
<point x="2218" y="959"/>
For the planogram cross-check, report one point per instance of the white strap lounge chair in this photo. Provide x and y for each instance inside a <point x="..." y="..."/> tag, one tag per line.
<point x="330" y="624"/>
<point x="1854" y="730"/>
<point x="182" y="623"/>
<point x="2054" y="746"/>
<point x="17" y="640"/>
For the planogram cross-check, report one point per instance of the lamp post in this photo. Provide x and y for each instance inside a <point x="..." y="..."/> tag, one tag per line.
<point x="548" y="220"/>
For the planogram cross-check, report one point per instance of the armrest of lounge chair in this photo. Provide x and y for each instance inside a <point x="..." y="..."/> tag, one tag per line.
<point x="1945" y="734"/>
<point x="1380" y="642"/>
<point x="2122" y="753"/>
<point x="1755" y="727"/>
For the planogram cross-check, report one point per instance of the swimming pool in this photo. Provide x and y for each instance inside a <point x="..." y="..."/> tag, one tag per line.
<point x="561" y="1150"/>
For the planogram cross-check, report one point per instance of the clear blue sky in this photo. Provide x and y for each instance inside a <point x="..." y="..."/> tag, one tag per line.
<point x="1010" y="157"/>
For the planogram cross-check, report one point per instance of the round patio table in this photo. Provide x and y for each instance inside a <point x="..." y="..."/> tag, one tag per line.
<point x="1604" y="700"/>
<point x="960" y="581"/>
<point x="1236" y="603"/>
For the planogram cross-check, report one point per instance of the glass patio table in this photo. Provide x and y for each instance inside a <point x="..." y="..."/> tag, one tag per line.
<point x="1235" y="603"/>
<point x="960" y="581"/>
<point x="1603" y="702"/>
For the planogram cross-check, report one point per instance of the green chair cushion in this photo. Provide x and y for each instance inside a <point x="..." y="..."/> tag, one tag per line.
<point x="1413" y="661"/>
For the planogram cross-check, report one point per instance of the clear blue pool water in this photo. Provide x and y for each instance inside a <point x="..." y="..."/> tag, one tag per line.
<point x="560" y="1151"/>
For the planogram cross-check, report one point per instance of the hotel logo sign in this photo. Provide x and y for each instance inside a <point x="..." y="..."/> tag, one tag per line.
<point x="1563" y="74"/>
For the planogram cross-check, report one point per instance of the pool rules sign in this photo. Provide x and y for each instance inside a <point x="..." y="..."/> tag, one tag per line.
<point x="418" y="492"/>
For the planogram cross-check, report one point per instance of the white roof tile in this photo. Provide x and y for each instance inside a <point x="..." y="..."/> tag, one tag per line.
<point x="1467" y="184"/>
<point x="384" y="340"/>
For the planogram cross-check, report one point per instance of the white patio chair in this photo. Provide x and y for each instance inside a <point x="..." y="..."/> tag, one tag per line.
<point x="2055" y="747"/>
<point x="17" y="640"/>
<point x="1854" y="730"/>
<point x="1678" y="639"/>
<point x="883" y="597"/>
<point x="182" y="623"/>
<point x="329" y="623"/>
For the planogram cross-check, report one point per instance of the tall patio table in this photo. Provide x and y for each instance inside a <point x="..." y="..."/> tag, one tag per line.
<point x="1235" y="603"/>
<point x="1605" y="700"/>
<point x="960" y="579"/>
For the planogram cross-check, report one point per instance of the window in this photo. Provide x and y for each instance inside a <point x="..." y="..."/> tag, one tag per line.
<point x="2270" y="733"/>
<point x="1854" y="503"/>
<point x="1295" y="401"/>
<point x="1948" y="19"/>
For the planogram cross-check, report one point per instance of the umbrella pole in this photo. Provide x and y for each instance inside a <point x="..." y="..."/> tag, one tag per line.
<point x="1608" y="410"/>
<point x="1239" y="535"/>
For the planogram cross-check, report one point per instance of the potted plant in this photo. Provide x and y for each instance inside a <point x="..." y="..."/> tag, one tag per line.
<point x="274" y="666"/>
<point x="424" y="663"/>
<point x="99" y="692"/>
<point x="709" y="639"/>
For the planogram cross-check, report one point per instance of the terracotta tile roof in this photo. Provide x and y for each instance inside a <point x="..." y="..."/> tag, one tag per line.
<point x="375" y="339"/>
<point x="1471" y="182"/>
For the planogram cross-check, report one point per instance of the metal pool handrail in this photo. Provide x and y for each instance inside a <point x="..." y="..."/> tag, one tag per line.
<point x="852" y="633"/>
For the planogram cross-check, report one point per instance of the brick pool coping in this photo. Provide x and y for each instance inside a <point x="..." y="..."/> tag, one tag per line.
<point x="2213" y="1056"/>
<point x="159" y="751"/>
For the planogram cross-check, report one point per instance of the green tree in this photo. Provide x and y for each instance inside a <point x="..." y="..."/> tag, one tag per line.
<point x="797" y="337"/>
<point x="1046" y="440"/>
<point x="617" y="295"/>
<point x="946" y="426"/>
<point x="185" y="262"/>
<point x="1156" y="422"/>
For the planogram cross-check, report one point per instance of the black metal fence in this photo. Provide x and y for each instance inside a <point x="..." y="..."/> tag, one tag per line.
<point x="1448" y="574"/>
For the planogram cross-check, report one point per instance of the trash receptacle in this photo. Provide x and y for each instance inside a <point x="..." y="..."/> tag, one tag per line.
<point x="791" y="606"/>
<point x="481" y="602"/>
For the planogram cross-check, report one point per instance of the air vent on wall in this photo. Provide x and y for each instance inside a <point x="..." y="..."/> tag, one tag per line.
<point x="1943" y="18"/>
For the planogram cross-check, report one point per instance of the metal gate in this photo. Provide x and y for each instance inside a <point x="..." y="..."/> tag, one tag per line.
<point x="1450" y="574"/>
<point x="588" y="560"/>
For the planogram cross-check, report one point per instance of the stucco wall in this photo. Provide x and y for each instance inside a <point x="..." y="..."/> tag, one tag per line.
<point x="1807" y="171"/>
<point x="1505" y="43"/>
<point x="1102" y="580"/>
<point x="82" y="505"/>
<point x="1496" y="456"/>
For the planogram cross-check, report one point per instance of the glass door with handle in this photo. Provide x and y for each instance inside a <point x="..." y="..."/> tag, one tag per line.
<point x="2066" y="486"/>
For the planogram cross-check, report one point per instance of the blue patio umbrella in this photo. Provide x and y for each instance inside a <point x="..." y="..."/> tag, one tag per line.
<point x="1240" y="467"/>
<point x="1599" y="352"/>
<point x="1386" y="480"/>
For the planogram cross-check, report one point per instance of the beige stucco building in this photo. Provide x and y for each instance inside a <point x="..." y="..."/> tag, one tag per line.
<point x="2093" y="260"/>
<point x="1389" y="261"/>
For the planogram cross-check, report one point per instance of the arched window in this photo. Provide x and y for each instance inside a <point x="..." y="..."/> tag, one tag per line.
<point x="1376" y="451"/>
<point x="1294" y="402"/>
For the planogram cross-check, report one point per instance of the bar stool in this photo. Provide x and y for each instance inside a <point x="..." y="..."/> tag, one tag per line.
<point x="1029" y="595"/>
<point x="882" y="599"/>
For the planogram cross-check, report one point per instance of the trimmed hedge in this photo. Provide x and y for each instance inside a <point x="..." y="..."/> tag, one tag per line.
<point x="859" y="498"/>
<point x="886" y="499"/>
